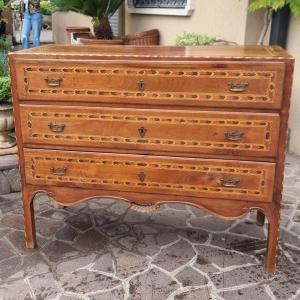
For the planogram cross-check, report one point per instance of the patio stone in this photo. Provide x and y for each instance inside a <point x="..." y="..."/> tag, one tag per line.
<point x="116" y="229"/>
<point x="67" y="233"/>
<point x="84" y="281"/>
<point x="223" y="258"/>
<point x="58" y="251"/>
<point x="104" y="263"/>
<point x="10" y="202"/>
<point x="195" y="294"/>
<point x="170" y="217"/>
<point x="194" y="235"/>
<point x="239" y="276"/>
<point x="3" y="232"/>
<point x="189" y="277"/>
<point x="128" y="263"/>
<point x="47" y="227"/>
<point x="147" y="245"/>
<point x="10" y="267"/>
<point x="250" y="228"/>
<point x="91" y="240"/>
<point x="17" y="238"/>
<point x="126" y="242"/>
<point x="249" y="293"/>
<point x="56" y="214"/>
<point x="174" y="256"/>
<point x="6" y="250"/>
<point x="12" y="221"/>
<point x="17" y="287"/>
<point x="151" y="285"/>
<point x="4" y="184"/>
<point x="34" y="265"/>
<point x="66" y="297"/>
<point x="204" y="265"/>
<point x="81" y="221"/>
<point x="238" y="243"/>
<point x="135" y="217"/>
<point x="118" y="208"/>
<point x="44" y="286"/>
<point x="211" y="223"/>
<point x="73" y="264"/>
<point x="289" y="238"/>
<point x="14" y="179"/>
<point x="116" y="294"/>
<point x="165" y="238"/>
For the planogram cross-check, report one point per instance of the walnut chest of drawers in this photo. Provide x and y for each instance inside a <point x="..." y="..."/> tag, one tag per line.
<point x="204" y="126"/>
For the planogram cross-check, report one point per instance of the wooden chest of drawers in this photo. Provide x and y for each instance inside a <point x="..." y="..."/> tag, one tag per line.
<point x="202" y="126"/>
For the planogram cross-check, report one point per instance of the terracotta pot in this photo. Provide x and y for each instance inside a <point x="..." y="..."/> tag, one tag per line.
<point x="73" y="29"/>
<point x="94" y="41"/>
<point x="7" y="124"/>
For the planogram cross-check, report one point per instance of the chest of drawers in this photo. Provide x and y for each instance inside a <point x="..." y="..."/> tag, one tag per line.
<point x="205" y="126"/>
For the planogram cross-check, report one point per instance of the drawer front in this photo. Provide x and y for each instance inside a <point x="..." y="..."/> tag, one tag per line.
<point x="152" y="174"/>
<point x="256" y="85"/>
<point x="250" y="134"/>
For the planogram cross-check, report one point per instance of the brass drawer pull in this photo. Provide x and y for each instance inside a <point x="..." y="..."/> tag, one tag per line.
<point x="142" y="132"/>
<point x="237" y="87"/>
<point x="59" y="171"/>
<point x="56" y="127"/>
<point x="55" y="82"/>
<point x="141" y="85"/>
<point x="234" y="135"/>
<point x="142" y="176"/>
<point x="231" y="183"/>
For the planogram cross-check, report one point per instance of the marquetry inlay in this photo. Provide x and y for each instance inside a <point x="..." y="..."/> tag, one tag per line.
<point x="205" y="74"/>
<point x="265" y="126"/>
<point x="214" y="172"/>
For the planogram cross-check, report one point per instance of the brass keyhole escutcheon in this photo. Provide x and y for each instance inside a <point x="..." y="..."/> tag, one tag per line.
<point x="141" y="85"/>
<point x="142" y="132"/>
<point x="142" y="176"/>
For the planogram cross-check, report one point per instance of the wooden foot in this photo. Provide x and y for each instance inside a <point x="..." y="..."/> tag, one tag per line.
<point x="260" y="218"/>
<point x="28" y="213"/>
<point x="273" y="234"/>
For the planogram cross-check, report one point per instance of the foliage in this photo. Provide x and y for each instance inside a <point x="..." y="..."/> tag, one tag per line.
<point x="194" y="39"/>
<point x="5" y="90"/>
<point x="6" y="43"/>
<point x="93" y="8"/>
<point x="275" y="5"/>
<point x="47" y="7"/>
<point x="3" y="64"/>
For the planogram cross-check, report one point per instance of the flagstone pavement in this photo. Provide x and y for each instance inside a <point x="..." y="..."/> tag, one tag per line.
<point x="101" y="250"/>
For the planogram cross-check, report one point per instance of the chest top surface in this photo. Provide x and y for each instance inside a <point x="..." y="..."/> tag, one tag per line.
<point x="166" y="53"/>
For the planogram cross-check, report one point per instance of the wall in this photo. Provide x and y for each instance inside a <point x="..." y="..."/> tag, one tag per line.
<point x="223" y="19"/>
<point x="61" y="20"/>
<point x="293" y="47"/>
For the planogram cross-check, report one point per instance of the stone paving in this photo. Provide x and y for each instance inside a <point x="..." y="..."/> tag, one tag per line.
<point x="101" y="250"/>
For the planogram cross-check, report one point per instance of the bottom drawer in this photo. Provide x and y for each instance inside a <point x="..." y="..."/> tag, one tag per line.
<point x="152" y="174"/>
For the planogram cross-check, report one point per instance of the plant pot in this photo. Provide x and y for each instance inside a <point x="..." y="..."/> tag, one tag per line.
<point x="94" y="41"/>
<point x="7" y="125"/>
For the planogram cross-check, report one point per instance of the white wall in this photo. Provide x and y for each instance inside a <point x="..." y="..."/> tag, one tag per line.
<point x="223" y="19"/>
<point x="293" y="47"/>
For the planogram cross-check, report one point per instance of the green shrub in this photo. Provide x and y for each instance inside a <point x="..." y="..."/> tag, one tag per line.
<point x="5" y="90"/>
<point x="194" y="39"/>
<point x="47" y="7"/>
<point x="3" y="64"/>
<point x="6" y="44"/>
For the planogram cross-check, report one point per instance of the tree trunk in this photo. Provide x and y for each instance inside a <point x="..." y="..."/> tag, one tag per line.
<point x="267" y="21"/>
<point x="103" y="30"/>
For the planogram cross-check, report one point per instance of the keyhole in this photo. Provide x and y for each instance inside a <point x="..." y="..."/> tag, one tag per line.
<point x="141" y="85"/>
<point x="142" y="132"/>
<point x="142" y="176"/>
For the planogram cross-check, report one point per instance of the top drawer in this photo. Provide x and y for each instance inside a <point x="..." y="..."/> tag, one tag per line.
<point x="232" y="84"/>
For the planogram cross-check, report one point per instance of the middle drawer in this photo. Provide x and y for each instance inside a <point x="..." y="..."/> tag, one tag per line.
<point x="224" y="133"/>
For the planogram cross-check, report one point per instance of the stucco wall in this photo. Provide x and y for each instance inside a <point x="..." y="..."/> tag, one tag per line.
<point x="61" y="20"/>
<point x="293" y="47"/>
<point x="223" y="19"/>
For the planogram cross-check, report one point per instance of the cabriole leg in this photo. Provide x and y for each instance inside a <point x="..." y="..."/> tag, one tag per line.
<point x="260" y="218"/>
<point x="29" y="222"/>
<point x="273" y="234"/>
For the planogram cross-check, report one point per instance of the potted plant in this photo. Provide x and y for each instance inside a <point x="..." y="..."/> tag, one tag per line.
<point x="99" y="10"/>
<point x="46" y="10"/>
<point x="6" y="111"/>
<point x="196" y="39"/>
<point x="279" y="11"/>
